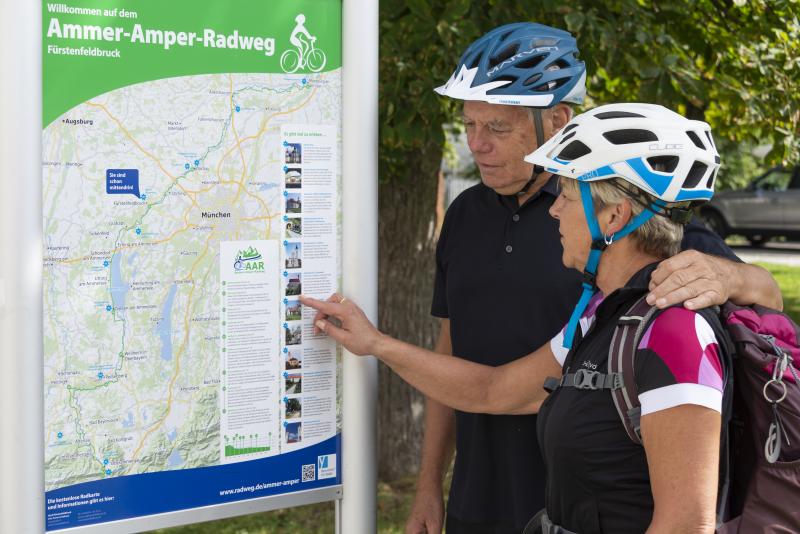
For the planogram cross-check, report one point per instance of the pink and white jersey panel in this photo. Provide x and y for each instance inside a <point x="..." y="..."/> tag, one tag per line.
<point x="678" y="363"/>
<point x="586" y="321"/>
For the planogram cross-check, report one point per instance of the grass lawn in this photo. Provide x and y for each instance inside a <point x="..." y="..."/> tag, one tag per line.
<point x="394" y="500"/>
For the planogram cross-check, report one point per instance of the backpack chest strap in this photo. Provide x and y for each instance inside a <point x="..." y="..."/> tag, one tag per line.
<point x="584" y="379"/>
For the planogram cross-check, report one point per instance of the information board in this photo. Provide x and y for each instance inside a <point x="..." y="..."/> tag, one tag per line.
<point x="191" y="191"/>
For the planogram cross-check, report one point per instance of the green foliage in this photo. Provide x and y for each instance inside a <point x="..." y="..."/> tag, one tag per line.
<point x="734" y="63"/>
<point x="739" y="165"/>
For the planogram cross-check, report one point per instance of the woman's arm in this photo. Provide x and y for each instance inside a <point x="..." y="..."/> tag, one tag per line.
<point x="514" y="388"/>
<point x="682" y="447"/>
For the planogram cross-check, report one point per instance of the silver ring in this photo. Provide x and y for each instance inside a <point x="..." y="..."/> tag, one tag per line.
<point x="767" y="396"/>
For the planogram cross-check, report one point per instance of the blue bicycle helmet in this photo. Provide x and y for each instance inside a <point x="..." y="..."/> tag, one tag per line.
<point x="520" y="64"/>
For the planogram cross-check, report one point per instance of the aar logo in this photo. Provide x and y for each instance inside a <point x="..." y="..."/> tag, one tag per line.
<point x="249" y="261"/>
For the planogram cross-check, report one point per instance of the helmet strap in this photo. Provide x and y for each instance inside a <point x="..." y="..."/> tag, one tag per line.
<point x="599" y="243"/>
<point x="537" y="170"/>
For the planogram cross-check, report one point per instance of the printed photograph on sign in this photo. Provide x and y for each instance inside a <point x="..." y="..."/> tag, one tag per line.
<point x="293" y="359"/>
<point x="294" y="334"/>
<point x="294" y="227"/>
<point x="294" y="284"/>
<point x="294" y="203"/>
<point x="294" y="310"/>
<point x="293" y="383"/>
<point x="294" y="153"/>
<point x="294" y="254"/>
<point x="294" y="432"/>
<point x="294" y="178"/>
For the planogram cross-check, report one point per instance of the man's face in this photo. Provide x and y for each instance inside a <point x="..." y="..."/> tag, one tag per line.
<point x="499" y="137"/>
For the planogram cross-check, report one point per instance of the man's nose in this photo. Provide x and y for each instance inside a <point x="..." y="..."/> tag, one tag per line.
<point x="478" y="142"/>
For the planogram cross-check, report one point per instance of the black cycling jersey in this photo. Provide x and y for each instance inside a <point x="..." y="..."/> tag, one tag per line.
<point x="597" y="478"/>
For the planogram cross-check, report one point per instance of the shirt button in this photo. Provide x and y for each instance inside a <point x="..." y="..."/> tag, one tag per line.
<point x="509" y="248"/>
<point x="515" y="218"/>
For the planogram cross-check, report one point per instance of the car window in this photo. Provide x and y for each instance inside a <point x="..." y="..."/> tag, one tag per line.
<point x="776" y="180"/>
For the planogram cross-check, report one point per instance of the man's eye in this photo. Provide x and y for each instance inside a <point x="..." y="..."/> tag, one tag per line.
<point x="498" y="129"/>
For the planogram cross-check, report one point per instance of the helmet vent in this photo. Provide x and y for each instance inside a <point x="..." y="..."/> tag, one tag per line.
<point x="475" y="61"/>
<point x="506" y="78"/>
<point x="710" y="140"/>
<point x="551" y="85"/>
<point x="503" y="55"/>
<point x="710" y="182"/>
<point x="531" y="62"/>
<point x="574" y="150"/>
<point x="629" y="136"/>
<point x="557" y="65"/>
<point x="695" y="175"/>
<point x="569" y="128"/>
<point x="663" y="163"/>
<point x="696" y="140"/>
<point x="567" y="138"/>
<point x="505" y="35"/>
<point x="618" y="115"/>
<point x="533" y="79"/>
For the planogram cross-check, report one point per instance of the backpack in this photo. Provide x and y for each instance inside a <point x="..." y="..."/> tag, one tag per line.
<point x="759" y="483"/>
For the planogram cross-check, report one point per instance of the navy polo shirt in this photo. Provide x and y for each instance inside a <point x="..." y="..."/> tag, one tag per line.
<point x="501" y="282"/>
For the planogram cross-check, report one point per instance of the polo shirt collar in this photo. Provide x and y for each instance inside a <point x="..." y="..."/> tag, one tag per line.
<point x="550" y="187"/>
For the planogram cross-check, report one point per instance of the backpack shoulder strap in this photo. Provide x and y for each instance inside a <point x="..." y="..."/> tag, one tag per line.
<point x="621" y="356"/>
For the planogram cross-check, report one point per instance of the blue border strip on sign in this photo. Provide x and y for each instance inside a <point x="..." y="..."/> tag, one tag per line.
<point x="131" y="496"/>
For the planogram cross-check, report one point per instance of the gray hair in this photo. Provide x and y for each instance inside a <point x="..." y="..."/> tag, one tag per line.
<point x="659" y="236"/>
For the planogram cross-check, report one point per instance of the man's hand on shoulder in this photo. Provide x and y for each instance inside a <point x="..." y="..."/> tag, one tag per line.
<point x="697" y="280"/>
<point x="700" y="280"/>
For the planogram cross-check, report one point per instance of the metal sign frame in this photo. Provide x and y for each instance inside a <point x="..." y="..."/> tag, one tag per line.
<point x="21" y="350"/>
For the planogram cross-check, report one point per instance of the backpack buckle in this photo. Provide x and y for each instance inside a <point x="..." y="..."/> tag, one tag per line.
<point x="586" y="379"/>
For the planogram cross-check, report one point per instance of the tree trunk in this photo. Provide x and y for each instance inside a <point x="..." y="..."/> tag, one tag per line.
<point x="407" y="230"/>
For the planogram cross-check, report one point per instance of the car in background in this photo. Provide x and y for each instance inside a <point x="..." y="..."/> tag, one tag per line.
<point x="768" y="207"/>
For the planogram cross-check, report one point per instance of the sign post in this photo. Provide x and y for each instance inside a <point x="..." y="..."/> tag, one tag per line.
<point x="360" y="236"/>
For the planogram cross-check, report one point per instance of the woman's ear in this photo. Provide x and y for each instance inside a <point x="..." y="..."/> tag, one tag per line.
<point x="615" y="217"/>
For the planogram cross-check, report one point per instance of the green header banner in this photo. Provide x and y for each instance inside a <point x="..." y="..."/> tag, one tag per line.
<point x="95" y="46"/>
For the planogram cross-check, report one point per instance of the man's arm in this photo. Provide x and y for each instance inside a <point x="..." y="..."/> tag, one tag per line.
<point x="438" y="443"/>
<point x="700" y="280"/>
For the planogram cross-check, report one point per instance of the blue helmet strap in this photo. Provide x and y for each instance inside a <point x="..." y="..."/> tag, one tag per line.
<point x="599" y="244"/>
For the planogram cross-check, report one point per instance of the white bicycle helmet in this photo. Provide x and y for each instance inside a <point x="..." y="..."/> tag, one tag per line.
<point x="660" y="152"/>
<point x="657" y="150"/>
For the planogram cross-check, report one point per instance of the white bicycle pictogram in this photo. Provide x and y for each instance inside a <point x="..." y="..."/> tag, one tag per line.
<point x="292" y="60"/>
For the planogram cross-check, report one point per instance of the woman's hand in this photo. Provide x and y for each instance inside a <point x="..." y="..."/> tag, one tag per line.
<point x="355" y="332"/>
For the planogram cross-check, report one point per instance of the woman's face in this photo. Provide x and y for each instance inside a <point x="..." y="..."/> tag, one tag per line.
<point x="575" y="236"/>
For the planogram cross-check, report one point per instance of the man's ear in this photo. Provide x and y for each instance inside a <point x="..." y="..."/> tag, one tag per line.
<point x="560" y="115"/>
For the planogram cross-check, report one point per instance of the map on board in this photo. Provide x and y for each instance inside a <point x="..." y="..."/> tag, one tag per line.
<point x="141" y="185"/>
